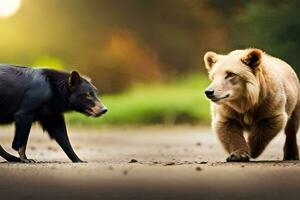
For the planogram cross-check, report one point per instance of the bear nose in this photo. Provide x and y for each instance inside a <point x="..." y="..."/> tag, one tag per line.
<point x="209" y="92"/>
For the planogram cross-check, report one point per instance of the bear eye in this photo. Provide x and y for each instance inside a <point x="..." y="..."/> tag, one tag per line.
<point x="230" y="75"/>
<point x="88" y="95"/>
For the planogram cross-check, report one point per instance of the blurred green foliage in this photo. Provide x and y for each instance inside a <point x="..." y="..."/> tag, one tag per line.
<point x="178" y="102"/>
<point x="273" y="26"/>
<point x="141" y="53"/>
<point x="117" y="43"/>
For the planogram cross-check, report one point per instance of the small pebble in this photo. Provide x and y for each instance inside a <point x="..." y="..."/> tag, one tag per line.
<point x="198" y="169"/>
<point x="169" y="163"/>
<point x="133" y="161"/>
<point x="51" y="148"/>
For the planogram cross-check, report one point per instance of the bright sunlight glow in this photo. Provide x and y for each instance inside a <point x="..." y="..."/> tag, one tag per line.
<point x="9" y="7"/>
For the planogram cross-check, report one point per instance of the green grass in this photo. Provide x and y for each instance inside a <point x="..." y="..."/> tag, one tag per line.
<point x="178" y="102"/>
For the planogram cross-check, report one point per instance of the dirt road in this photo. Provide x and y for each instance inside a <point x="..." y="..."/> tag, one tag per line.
<point x="145" y="163"/>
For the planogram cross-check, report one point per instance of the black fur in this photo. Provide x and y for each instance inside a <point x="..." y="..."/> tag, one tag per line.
<point x="43" y="95"/>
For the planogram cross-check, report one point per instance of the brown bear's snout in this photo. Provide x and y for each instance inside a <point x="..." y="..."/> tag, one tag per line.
<point x="209" y="92"/>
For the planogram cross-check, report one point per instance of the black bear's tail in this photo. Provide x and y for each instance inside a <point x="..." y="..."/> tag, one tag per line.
<point x="8" y="157"/>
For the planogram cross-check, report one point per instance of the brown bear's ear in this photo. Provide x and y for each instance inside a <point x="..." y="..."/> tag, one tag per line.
<point x="74" y="79"/>
<point x="253" y="58"/>
<point x="210" y="58"/>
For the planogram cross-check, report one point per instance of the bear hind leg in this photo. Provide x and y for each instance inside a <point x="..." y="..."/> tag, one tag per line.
<point x="7" y="156"/>
<point x="290" y="146"/>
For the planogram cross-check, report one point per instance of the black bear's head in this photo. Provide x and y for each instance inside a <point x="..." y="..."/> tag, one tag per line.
<point x="83" y="96"/>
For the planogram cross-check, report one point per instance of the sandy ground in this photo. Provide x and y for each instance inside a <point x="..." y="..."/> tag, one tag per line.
<point x="145" y="163"/>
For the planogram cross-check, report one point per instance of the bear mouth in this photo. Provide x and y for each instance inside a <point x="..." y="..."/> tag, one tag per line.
<point x="215" y="99"/>
<point x="95" y="111"/>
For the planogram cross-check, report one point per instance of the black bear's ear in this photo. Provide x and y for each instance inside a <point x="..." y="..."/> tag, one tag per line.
<point x="252" y="58"/>
<point x="74" y="79"/>
<point x="210" y="58"/>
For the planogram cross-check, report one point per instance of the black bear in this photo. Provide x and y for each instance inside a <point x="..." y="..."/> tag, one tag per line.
<point x="43" y="95"/>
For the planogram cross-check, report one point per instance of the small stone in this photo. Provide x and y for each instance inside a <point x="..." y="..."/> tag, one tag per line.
<point x="169" y="163"/>
<point x="51" y="148"/>
<point x="198" y="169"/>
<point x="198" y="144"/>
<point x="125" y="172"/>
<point x="133" y="161"/>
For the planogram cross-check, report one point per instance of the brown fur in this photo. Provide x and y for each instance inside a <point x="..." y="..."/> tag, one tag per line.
<point x="257" y="93"/>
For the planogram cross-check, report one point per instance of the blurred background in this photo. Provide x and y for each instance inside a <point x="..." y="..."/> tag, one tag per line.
<point x="145" y="56"/>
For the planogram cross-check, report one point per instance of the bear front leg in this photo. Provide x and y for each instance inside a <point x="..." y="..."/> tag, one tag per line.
<point x="22" y="154"/>
<point x="230" y="134"/>
<point x="263" y="132"/>
<point x="56" y="127"/>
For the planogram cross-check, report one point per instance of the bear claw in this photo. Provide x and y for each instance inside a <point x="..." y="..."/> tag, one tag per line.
<point x="28" y="161"/>
<point x="238" y="157"/>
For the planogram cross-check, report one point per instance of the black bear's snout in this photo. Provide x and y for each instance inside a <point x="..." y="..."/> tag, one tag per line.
<point x="97" y="110"/>
<point x="99" y="113"/>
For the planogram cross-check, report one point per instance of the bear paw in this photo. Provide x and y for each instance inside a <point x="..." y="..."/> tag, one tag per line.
<point x="291" y="157"/>
<point x="25" y="160"/>
<point x="238" y="156"/>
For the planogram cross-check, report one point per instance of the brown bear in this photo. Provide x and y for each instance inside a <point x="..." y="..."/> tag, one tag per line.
<point x="253" y="92"/>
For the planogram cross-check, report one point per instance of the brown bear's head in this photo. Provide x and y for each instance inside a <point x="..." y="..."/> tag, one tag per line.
<point x="234" y="76"/>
